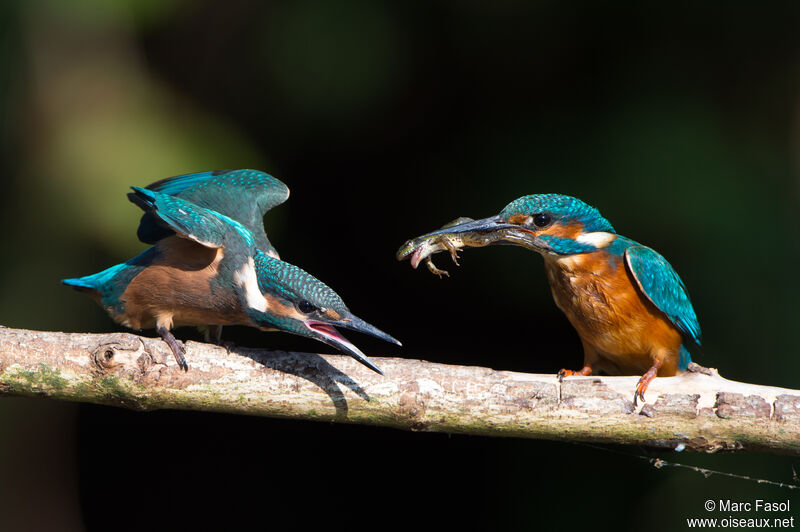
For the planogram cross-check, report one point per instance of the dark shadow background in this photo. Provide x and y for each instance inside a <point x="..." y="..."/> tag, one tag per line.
<point x="678" y="121"/>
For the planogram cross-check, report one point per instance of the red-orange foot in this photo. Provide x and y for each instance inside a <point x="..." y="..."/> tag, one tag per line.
<point x="585" y="370"/>
<point x="644" y="382"/>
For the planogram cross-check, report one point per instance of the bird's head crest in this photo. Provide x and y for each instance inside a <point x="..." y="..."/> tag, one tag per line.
<point x="556" y="209"/>
<point x="297" y="302"/>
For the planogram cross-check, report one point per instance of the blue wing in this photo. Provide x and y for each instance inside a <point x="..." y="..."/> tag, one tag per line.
<point x="663" y="288"/>
<point x="204" y="226"/>
<point x="241" y="195"/>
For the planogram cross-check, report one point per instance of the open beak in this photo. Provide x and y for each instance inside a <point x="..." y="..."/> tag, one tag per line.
<point x="325" y="332"/>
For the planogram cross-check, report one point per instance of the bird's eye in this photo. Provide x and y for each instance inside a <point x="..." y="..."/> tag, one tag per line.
<point x="541" y="219"/>
<point x="305" y="307"/>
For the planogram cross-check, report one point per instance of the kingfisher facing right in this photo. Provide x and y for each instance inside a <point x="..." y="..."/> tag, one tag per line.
<point x="631" y="310"/>
<point x="212" y="265"/>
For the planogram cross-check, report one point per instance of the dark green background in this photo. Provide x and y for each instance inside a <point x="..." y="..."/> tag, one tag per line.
<point x="679" y="121"/>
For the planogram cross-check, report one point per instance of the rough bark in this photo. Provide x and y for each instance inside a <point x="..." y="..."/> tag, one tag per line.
<point x="693" y="411"/>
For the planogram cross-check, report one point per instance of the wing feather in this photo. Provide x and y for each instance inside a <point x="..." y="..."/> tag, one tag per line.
<point x="662" y="286"/>
<point x="241" y="195"/>
<point x="184" y="218"/>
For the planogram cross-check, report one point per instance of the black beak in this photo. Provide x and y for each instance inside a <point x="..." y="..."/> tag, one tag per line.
<point x="357" y="324"/>
<point x="325" y="332"/>
<point x="479" y="226"/>
<point x="513" y="234"/>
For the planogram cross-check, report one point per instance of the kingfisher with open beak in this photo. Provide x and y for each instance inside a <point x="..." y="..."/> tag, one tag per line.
<point x="631" y="310"/>
<point x="212" y="265"/>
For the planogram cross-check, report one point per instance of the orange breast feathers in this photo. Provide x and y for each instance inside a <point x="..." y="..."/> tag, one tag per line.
<point x="621" y="330"/>
<point x="176" y="289"/>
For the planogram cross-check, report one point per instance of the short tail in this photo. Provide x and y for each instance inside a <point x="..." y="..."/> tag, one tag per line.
<point x="79" y="283"/>
<point x="95" y="282"/>
<point x="685" y="358"/>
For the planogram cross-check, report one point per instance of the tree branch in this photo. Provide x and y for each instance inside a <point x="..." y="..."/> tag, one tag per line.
<point x="694" y="412"/>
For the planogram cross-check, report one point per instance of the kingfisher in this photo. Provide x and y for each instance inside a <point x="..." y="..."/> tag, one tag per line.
<point x="629" y="307"/>
<point x="211" y="264"/>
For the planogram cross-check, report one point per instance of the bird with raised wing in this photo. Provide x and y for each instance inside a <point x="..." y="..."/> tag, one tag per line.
<point x="212" y="265"/>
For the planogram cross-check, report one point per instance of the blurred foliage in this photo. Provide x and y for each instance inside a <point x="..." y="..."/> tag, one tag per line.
<point x="333" y="60"/>
<point x="678" y="121"/>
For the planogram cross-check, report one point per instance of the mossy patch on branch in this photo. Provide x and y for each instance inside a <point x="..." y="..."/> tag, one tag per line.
<point x="42" y="378"/>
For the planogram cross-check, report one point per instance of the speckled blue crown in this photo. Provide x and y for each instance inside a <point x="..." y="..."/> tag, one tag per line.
<point x="559" y="207"/>
<point x="289" y="281"/>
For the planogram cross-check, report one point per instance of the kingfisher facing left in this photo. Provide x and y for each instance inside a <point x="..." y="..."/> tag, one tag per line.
<point x="212" y="265"/>
<point x="631" y="310"/>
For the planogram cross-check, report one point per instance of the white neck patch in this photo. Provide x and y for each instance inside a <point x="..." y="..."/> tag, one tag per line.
<point x="246" y="278"/>
<point x="599" y="239"/>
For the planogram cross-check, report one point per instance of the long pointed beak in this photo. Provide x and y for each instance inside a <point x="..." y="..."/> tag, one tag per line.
<point x="324" y="331"/>
<point x="357" y="324"/>
<point x="493" y="223"/>
<point x="513" y="234"/>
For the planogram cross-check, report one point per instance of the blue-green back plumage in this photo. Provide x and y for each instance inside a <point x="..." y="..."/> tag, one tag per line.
<point x="204" y="226"/>
<point x="655" y="277"/>
<point x="241" y="285"/>
<point x="662" y="286"/>
<point x="241" y="195"/>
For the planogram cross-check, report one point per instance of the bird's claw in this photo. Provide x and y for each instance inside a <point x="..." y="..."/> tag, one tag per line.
<point x="637" y="395"/>
<point x="585" y="370"/>
<point x="644" y="382"/>
<point x="228" y="346"/>
<point x="179" y="358"/>
<point x="177" y="348"/>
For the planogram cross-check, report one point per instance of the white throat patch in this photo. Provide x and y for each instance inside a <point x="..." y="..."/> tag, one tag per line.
<point x="246" y="278"/>
<point x="599" y="239"/>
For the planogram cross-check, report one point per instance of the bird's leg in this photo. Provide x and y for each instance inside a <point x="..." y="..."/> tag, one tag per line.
<point x="645" y="380"/>
<point x="589" y="360"/>
<point x="212" y="334"/>
<point x="215" y="334"/>
<point x="585" y="370"/>
<point x="177" y="349"/>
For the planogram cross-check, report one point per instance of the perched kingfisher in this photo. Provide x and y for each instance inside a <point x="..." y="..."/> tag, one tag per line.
<point x="212" y="265"/>
<point x="629" y="307"/>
